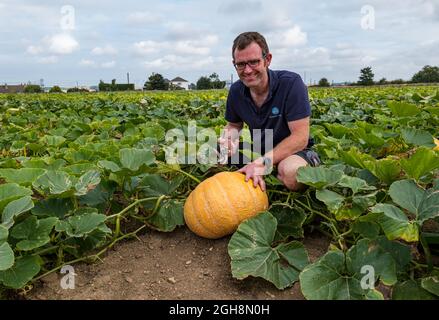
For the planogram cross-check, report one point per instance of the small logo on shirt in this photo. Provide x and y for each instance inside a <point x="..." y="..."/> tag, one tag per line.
<point x="275" y="112"/>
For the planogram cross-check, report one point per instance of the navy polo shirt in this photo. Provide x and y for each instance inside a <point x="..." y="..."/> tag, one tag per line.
<point x="287" y="101"/>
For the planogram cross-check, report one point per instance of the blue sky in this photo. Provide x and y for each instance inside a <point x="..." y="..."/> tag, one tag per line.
<point x="82" y="41"/>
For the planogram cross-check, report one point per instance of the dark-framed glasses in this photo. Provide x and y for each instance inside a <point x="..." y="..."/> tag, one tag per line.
<point x="251" y="63"/>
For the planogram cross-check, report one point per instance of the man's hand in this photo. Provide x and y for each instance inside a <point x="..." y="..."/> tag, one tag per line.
<point x="228" y="144"/>
<point x="255" y="170"/>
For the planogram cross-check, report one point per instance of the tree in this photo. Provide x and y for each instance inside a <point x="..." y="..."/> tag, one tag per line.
<point x="366" y="76"/>
<point x="324" y="82"/>
<point x="203" y="83"/>
<point x="210" y="82"/>
<point x="156" y="82"/>
<point x="55" y="89"/>
<point x="33" y="88"/>
<point x="382" y="81"/>
<point x="215" y="82"/>
<point x="427" y="74"/>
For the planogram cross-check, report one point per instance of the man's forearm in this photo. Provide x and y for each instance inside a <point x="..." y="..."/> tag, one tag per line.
<point x="287" y="147"/>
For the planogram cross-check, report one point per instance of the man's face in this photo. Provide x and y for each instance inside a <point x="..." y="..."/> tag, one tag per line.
<point x="251" y="66"/>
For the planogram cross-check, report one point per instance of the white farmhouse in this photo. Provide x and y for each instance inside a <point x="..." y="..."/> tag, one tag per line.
<point x="180" y="82"/>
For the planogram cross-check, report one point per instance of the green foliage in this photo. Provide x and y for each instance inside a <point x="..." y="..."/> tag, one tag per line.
<point x="33" y="88"/>
<point x="366" y="76"/>
<point x="75" y="169"/>
<point x="210" y="82"/>
<point x="55" y="89"/>
<point x="156" y="82"/>
<point x="113" y="86"/>
<point x="428" y="74"/>
<point x="323" y="82"/>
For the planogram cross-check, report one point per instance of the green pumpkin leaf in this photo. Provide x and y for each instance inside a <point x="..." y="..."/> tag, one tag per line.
<point x="418" y="137"/>
<point x="420" y="163"/>
<point x="338" y="276"/>
<point x="133" y="159"/>
<point x="289" y="221"/>
<point x="355" y="184"/>
<point x="431" y="284"/>
<point x="155" y="185"/>
<point x="24" y="270"/>
<point x="252" y="254"/>
<point x="6" y="256"/>
<point x="88" y="181"/>
<point x="333" y="200"/>
<point x="4" y="233"/>
<point x="395" y="223"/>
<point x="386" y="170"/>
<point x="109" y="165"/>
<point x="403" y="109"/>
<point x="318" y="177"/>
<point x="53" y="208"/>
<point x="411" y="290"/>
<point x="53" y="141"/>
<point x="83" y="222"/>
<point x="10" y="192"/>
<point x="23" y="176"/>
<point x="168" y="217"/>
<point x="35" y="233"/>
<point x="423" y="204"/>
<point x="15" y="208"/>
<point x="355" y="158"/>
<point x="54" y="182"/>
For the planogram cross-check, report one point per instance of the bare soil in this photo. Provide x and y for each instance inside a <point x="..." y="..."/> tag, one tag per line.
<point x="168" y="266"/>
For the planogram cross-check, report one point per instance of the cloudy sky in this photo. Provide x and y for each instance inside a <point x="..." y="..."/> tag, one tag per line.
<point x="83" y="41"/>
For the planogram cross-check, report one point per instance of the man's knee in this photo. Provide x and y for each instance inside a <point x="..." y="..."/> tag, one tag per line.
<point x="287" y="174"/>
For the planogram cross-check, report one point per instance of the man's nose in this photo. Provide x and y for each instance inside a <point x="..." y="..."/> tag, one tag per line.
<point x="247" y="69"/>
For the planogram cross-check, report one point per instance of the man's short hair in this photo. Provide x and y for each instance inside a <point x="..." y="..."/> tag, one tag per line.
<point x="245" y="39"/>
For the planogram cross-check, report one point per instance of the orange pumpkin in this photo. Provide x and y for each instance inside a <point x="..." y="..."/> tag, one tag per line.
<point x="217" y="206"/>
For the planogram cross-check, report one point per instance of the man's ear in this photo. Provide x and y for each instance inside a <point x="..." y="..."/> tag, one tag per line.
<point x="268" y="59"/>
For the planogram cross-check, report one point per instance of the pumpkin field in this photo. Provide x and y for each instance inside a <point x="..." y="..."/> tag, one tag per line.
<point x="83" y="174"/>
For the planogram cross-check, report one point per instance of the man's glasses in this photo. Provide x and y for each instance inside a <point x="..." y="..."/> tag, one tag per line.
<point x="251" y="63"/>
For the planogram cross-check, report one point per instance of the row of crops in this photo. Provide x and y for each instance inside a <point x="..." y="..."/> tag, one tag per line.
<point x="78" y="173"/>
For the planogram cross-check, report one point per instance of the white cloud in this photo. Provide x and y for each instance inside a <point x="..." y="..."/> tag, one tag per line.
<point x="108" y="65"/>
<point x="48" y="60"/>
<point x="172" y="61"/>
<point x="146" y="47"/>
<point x="34" y="50"/>
<point x="201" y="47"/>
<point x="62" y="43"/>
<point x="144" y="17"/>
<point x="290" y="38"/>
<point x="107" y="50"/>
<point x="87" y="63"/>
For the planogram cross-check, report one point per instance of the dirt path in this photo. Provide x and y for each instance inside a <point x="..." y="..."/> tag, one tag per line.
<point x="176" y="265"/>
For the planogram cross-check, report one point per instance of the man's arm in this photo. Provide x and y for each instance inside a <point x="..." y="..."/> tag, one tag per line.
<point x="296" y="141"/>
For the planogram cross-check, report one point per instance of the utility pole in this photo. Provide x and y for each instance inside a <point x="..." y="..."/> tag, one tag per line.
<point x="128" y="77"/>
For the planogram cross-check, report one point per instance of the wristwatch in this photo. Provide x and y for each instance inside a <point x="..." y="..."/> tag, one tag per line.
<point x="266" y="161"/>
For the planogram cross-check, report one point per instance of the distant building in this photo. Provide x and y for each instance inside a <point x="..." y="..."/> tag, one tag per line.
<point x="180" y="82"/>
<point x="6" y="88"/>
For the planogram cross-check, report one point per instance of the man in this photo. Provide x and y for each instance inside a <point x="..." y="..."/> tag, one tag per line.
<point x="267" y="99"/>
